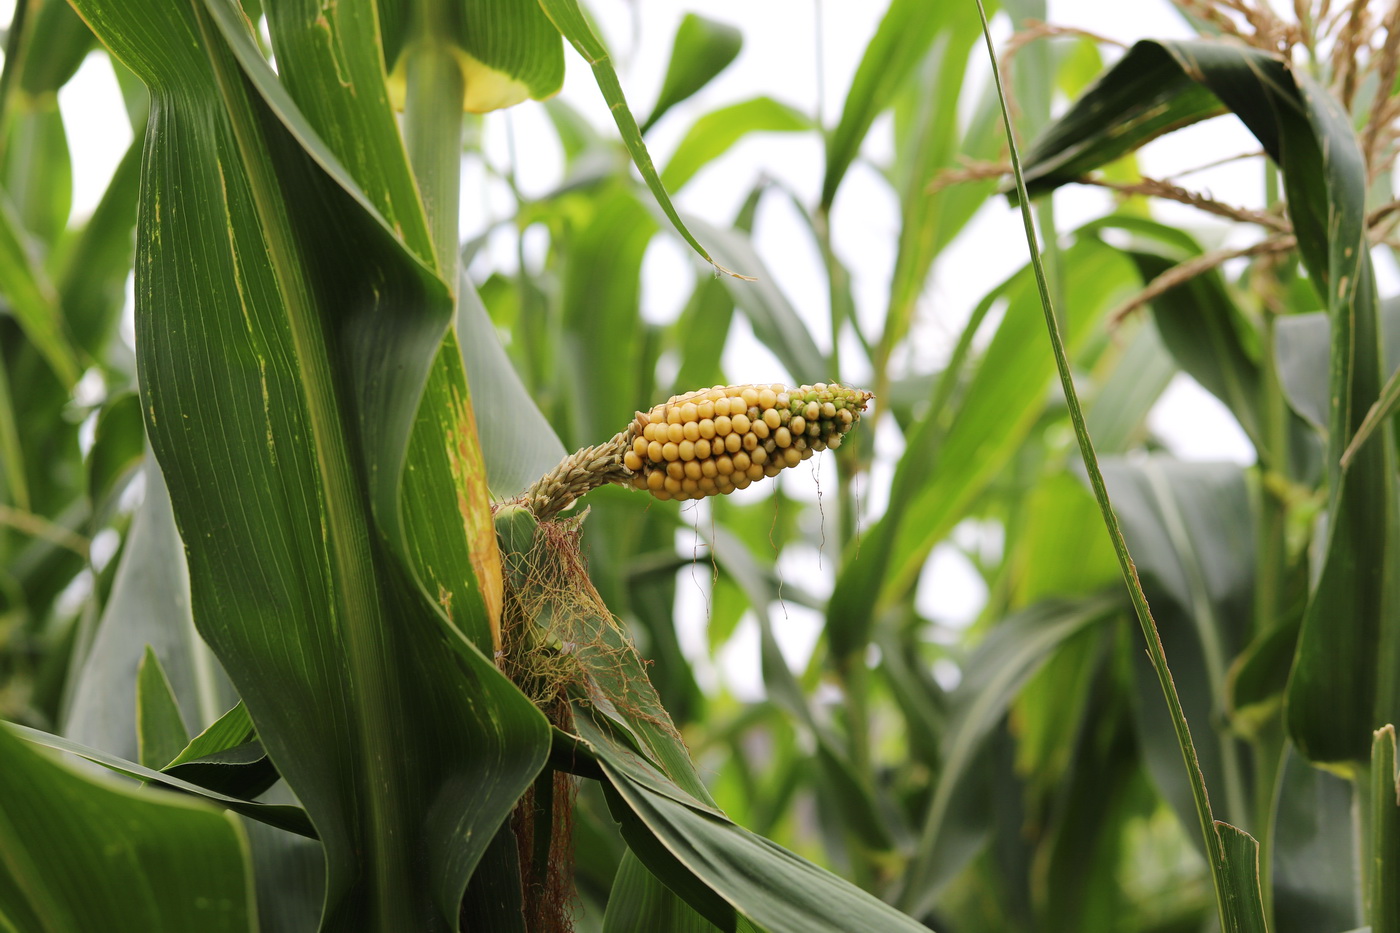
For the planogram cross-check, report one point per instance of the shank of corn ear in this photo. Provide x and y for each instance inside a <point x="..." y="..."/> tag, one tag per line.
<point x="708" y="442"/>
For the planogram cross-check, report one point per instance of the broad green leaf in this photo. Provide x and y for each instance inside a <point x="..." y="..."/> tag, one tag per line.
<point x="640" y="901"/>
<point x="1345" y="682"/>
<point x="702" y="48"/>
<point x="951" y="458"/>
<point x="519" y="445"/>
<point x="77" y="855"/>
<point x="1144" y="95"/>
<point x="1239" y="902"/>
<point x="771" y="887"/>
<point x="92" y="282"/>
<point x="404" y="743"/>
<point x="118" y="447"/>
<point x="905" y="34"/>
<point x="1117" y="414"/>
<point x="38" y="175"/>
<point x="160" y="731"/>
<point x="1242" y="899"/>
<point x="1012" y="652"/>
<point x="1314" y="851"/>
<point x="713" y="134"/>
<point x="31" y="298"/>
<point x="1336" y="694"/>
<point x="570" y="21"/>
<point x="604" y="338"/>
<point x="1383" y="898"/>
<point x="1209" y="338"/>
<point x="287" y="817"/>
<point x="226" y="757"/>
<point x="148" y="607"/>
<point x="513" y="52"/>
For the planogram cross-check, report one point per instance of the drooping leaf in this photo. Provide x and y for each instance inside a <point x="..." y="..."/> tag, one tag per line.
<point x="703" y="47"/>
<point x="286" y="817"/>
<point x="78" y="854"/>
<point x="716" y="132"/>
<point x="569" y="19"/>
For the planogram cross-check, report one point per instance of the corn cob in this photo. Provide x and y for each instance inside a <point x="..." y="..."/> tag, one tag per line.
<point x="708" y="442"/>
<point x="717" y="440"/>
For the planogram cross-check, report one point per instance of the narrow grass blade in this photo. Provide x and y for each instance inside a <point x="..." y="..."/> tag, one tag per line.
<point x="1237" y="892"/>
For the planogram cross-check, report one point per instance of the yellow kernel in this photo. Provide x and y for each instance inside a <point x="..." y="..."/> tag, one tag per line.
<point x="813" y="411"/>
<point x="792" y="456"/>
<point x="675" y="433"/>
<point x="688" y="412"/>
<point x="639" y="446"/>
<point x="828" y="410"/>
<point x="673" y="415"/>
<point x="707" y="467"/>
<point x="670" y="451"/>
<point x="655" y="480"/>
<point x="759" y="456"/>
<point x="662" y="494"/>
<point x="767" y="398"/>
<point x="632" y="461"/>
<point x="724" y="486"/>
<point x="686" y="449"/>
<point x="736" y="405"/>
<point x="708" y="486"/>
<point x="707" y="428"/>
<point x="655" y="452"/>
<point x="807" y="453"/>
<point x="750" y="441"/>
<point x="692" y="469"/>
<point x="673" y="485"/>
<point x="723" y="425"/>
<point x="740" y="423"/>
<point x="741" y="462"/>
<point x="771" y="418"/>
<point x="702" y="449"/>
<point x="691" y="431"/>
<point x="750" y="396"/>
<point x="835" y="442"/>
<point x="783" y="400"/>
<point x="643" y="419"/>
<point x="675" y="469"/>
<point x="774" y="468"/>
<point x="706" y="409"/>
<point x="797" y="425"/>
<point x="741" y="481"/>
<point x="724" y="465"/>
<point x="690" y="486"/>
<point x="721" y="406"/>
<point x="759" y="429"/>
<point x="755" y="472"/>
<point x="649" y="432"/>
<point x="733" y="442"/>
<point x="783" y="436"/>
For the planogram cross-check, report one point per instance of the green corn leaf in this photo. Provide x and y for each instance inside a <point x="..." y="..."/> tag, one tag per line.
<point x="702" y="48"/>
<point x="405" y="744"/>
<point x="292" y="819"/>
<point x="77" y="854"/>
<point x="160" y="732"/>
<point x="570" y="21"/>
<point x="713" y="134"/>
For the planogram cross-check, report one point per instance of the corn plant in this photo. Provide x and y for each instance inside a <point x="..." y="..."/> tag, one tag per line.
<point x="386" y="656"/>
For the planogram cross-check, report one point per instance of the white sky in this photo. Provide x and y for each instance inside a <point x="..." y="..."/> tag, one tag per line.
<point x="780" y="59"/>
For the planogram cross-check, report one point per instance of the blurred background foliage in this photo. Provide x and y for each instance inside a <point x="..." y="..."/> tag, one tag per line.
<point x="1014" y="771"/>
